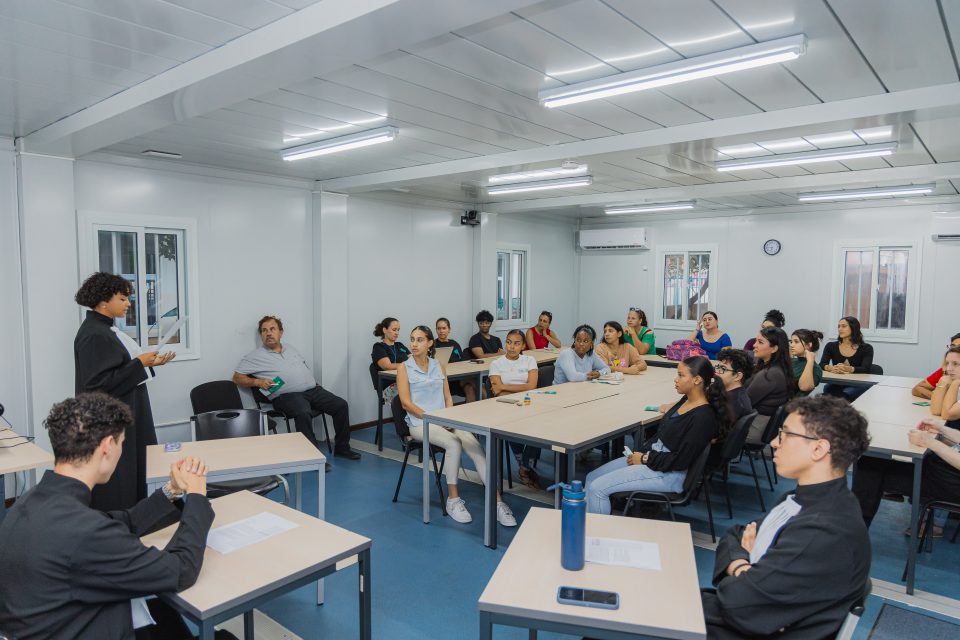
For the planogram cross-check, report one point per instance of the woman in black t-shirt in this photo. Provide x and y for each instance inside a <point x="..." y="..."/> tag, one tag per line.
<point x="389" y="352"/>
<point x="465" y="388"/>
<point x="848" y="354"/>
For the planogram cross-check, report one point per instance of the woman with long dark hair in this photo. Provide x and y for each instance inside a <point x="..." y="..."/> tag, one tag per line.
<point x="847" y="354"/>
<point x="619" y="354"/>
<point x="772" y="383"/>
<point x="774" y="318"/>
<point x="686" y="430"/>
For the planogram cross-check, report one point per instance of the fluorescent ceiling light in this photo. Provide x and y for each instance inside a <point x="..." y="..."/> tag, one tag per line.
<point x="808" y="157"/>
<point x="858" y="194"/>
<point x="537" y="174"/>
<point x="713" y="64"/>
<point x="650" y="208"/>
<point x="541" y="185"/>
<point x="162" y="154"/>
<point x="343" y="143"/>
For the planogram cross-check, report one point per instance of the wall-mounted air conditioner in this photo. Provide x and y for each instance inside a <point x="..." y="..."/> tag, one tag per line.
<point x="946" y="228"/>
<point x="613" y="238"/>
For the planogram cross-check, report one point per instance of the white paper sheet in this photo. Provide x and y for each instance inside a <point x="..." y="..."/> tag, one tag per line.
<point x="248" y="531"/>
<point x="172" y="332"/>
<point x="624" y="553"/>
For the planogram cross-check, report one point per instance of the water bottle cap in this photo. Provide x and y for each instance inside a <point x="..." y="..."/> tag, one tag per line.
<point x="574" y="491"/>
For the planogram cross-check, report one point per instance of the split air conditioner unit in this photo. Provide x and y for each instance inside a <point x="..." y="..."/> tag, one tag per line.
<point x="615" y="238"/>
<point x="946" y="228"/>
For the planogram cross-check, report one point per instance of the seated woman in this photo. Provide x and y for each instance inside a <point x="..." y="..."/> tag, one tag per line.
<point x="848" y="354"/>
<point x="580" y="363"/>
<point x="804" y="344"/>
<point x="772" y="383"/>
<point x="513" y="373"/>
<point x="709" y="336"/>
<point x="872" y="477"/>
<point x="924" y="388"/>
<point x="422" y="386"/>
<point x="638" y="334"/>
<point x="774" y="318"/>
<point x="482" y="343"/>
<point x="389" y="352"/>
<point x="617" y="352"/>
<point x="685" y="431"/>
<point x="466" y="388"/>
<point x="541" y="336"/>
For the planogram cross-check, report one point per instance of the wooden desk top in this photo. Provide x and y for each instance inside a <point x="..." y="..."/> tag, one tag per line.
<point x="662" y="603"/>
<point x="899" y="381"/>
<point x="466" y="367"/>
<point x="227" y="580"/>
<point x="22" y="456"/>
<point x="891" y="405"/>
<point x="232" y="454"/>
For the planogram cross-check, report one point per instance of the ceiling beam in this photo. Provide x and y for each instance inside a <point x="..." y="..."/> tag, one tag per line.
<point x="319" y="39"/>
<point x="930" y="102"/>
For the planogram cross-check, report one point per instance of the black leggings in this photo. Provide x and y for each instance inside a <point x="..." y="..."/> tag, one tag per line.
<point x="874" y="476"/>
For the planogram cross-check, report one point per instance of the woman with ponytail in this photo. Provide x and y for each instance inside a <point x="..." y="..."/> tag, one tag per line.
<point x="804" y="344"/>
<point x="772" y="383"/>
<point x="685" y="431"/>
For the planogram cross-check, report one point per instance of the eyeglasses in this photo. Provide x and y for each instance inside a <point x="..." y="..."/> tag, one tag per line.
<point x="783" y="432"/>
<point x="719" y="368"/>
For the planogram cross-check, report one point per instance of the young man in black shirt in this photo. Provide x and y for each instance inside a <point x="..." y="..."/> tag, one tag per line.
<point x="482" y="344"/>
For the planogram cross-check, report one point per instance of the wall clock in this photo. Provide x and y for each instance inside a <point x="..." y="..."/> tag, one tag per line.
<point x="771" y="247"/>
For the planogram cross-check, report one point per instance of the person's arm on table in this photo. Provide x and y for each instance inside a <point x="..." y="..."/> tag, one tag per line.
<point x="938" y="396"/>
<point x="528" y="338"/>
<point x="922" y="389"/>
<point x="806" y="382"/>
<point x="950" y="408"/>
<point x="928" y="439"/>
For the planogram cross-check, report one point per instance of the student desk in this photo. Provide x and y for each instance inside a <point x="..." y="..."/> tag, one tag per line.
<point x="250" y="457"/>
<point x="455" y="371"/>
<point x="891" y="415"/>
<point x="899" y="381"/>
<point x="663" y="604"/>
<point x="849" y="379"/>
<point x="18" y="454"/>
<point x="237" y="582"/>
<point x="580" y="415"/>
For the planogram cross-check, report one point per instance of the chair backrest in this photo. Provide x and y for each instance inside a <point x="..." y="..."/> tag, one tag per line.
<point x="876" y="369"/>
<point x="733" y="445"/>
<point x="260" y="397"/>
<point x="214" y="396"/>
<point x="374" y="371"/>
<point x="545" y="376"/>
<point x="774" y="424"/>
<point x="660" y="351"/>
<point x="399" y="418"/>
<point x="853" y="616"/>
<point x="231" y="423"/>
<point x="695" y="473"/>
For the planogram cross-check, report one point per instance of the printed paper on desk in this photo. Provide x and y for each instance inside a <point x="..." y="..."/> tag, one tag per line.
<point x="248" y="531"/>
<point x="623" y="553"/>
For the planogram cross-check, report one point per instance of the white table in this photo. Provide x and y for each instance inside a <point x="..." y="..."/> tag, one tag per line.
<point x="849" y="379"/>
<point x="17" y="453"/>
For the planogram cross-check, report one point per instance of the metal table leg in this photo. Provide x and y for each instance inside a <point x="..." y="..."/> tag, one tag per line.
<point x="490" y="495"/>
<point x="248" y="625"/>
<point x="365" y="593"/>
<point x="914" y="524"/>
<point x="379" y="436"/>
<point x="426" y="471"/>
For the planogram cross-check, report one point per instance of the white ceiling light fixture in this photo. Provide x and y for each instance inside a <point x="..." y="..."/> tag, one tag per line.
<point x="162" y="154"/>
<point x="566" y="169"/>
<point x="541" y="185"/>
<point x="342" y="143"/>
<point x="713" y="64"/>
<point x="650" y="208"/>
<point x="860" y="194"/>
<point x="808" y="157"/>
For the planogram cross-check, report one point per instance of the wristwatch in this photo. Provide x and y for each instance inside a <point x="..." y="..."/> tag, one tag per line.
<point x="168" y="492"/>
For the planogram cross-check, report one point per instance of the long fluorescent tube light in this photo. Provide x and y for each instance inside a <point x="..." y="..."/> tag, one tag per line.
<point x="162" y="154"/>
<point x="650" y="208"/>
<point x="541" y="185"/>
<point x="858" y="194"/>
<point x="713" y="64"/>
<point x="808" y="157"/>
<point x="539" y="173"/>
<point x="343" y="143"/>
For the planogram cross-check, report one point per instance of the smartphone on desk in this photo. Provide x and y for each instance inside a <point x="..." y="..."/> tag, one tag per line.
<point x="588" y="598"/>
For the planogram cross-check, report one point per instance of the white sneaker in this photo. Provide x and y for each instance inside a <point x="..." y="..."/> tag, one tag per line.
<point x="505" y="515"/>
<point x="457" y="510"/>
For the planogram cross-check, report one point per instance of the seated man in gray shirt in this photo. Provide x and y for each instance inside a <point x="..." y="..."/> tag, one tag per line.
<point x="299" y="395"/>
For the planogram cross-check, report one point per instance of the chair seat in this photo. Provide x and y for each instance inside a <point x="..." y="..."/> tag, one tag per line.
<point x="263" y="484"/>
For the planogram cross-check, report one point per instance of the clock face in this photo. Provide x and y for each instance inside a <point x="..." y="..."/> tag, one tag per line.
<point x="771" y="247"/>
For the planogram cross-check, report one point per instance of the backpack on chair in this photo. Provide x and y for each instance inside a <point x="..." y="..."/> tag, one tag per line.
<point x="682" y="349"/>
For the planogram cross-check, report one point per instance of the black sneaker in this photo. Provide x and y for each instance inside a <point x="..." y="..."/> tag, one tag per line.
<point x="349" y="454"/>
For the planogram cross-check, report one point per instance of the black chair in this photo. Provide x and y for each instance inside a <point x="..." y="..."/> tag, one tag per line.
<point x="730" y="449"/>
<point x="691" y="484"/>
<point x="219" y="395"/>
<point x="660" y="351"/>
<point x="925" y="542"/>
<point x="375" y="380"/>
<point x="236" y="423"/>
<point x="876" y="370"/>
<point x="410" y="445"/>
<point x="856" y="612"/>
<point x="272" y="412"/>
<point x="751" y="448"/>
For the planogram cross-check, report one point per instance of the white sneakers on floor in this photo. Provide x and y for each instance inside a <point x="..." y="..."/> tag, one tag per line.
<point x="457" y="509"/>
<point x="505" y="515"/>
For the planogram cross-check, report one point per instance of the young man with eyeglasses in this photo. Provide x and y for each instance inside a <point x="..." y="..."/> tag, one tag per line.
<point x="734" y="367"/>
<point x="795" y="573"/>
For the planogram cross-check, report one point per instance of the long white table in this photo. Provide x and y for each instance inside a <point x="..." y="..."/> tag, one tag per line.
<point x="850" y="379"/>
<point x="17" y="453"/>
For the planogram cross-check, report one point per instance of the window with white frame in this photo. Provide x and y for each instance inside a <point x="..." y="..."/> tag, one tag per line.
<point x="686" y="284"/>
<point x="512" y="268"/>
<point x="877" y="283"/>
<point x="153" y="257"/>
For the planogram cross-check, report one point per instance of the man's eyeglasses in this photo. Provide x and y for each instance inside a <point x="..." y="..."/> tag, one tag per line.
<point x="720" y="368"/>
<point x="784" y="432"/>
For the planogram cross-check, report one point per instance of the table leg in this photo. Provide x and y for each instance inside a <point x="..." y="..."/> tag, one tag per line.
<point x="207" y="631"/>
<point x="379" y="436"/>
<point x="248" y="625"/>
<point x="298" y="490"/>
<point x="556" y="479"/>
<point x="3" y="496"/>
<point x="426" y="470"/>
<point x="365" y="592"/>
<point x="914" y="524"/>
<point x="321" y="513"/>
<point x="532" y="635"/>
<point x="480" y="386"/>
<point x="489" y="495"/>
<point x="571" y="464"/>
<point x="486" y="626"/>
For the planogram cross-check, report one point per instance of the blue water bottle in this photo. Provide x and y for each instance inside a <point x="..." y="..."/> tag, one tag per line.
<point x="573" y="527"/>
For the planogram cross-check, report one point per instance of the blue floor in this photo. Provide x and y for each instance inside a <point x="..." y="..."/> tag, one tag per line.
<point x="427" y="578"/>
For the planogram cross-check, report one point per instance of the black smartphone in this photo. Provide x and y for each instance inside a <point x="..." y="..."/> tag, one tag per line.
<point x="588" y="598"/>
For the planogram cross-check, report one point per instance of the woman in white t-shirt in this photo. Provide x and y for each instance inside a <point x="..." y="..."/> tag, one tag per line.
<point x="516" y="373"/>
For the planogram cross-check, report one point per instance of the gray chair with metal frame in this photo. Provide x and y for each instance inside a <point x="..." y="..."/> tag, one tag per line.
<point x="410" y="445"/>
<point x="272" y="412"/>
<point x="730" y="449"/>
<point x="769" y="433"/>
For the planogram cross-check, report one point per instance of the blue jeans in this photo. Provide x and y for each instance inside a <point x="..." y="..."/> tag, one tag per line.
<point x="617" y="476"/>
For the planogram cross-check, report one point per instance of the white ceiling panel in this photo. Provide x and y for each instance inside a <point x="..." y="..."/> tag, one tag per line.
<point x="861" y="164"/>
<point x="712" y="98"/>
<point x="770" y="88"/>
<point x="940" y="137"/>
<point x="659" y="108"/>
<point x="36" y="62"/>
<point x="625" y="174"/>
<point x="689" y="27"/>
<point x="250" y="14"/>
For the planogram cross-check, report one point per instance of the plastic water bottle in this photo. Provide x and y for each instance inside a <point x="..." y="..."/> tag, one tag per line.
<point x="573" y="527"/>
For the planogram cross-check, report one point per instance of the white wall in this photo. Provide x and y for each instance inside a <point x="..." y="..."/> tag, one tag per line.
<point x="797" y="280"/>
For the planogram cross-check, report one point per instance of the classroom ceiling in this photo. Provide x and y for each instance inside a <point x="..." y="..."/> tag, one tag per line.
<point x="229" y="83"/>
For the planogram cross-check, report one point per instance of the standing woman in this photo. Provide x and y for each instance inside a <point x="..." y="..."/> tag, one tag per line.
<point x="466" y="388"/>
<point x="619" y="354"/>
<point x="541" y="336"/>
<point x="772" y="383"/>
<point x="709" y="336"/>
<point x="804" y="344"/>
<point x="638" y="334"/>
<point x="774" y="318"/>
<point x="108" y="360"/>
<point x="848" y="354"/>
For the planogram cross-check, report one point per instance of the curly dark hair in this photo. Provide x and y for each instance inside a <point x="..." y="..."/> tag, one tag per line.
<point x="738" y="360"/>
<point x="101" y="287"/>
<point x="837" y="422"/>
<point x="776" y="317"/>
<point x="77" y="425"/>
<point x="484" y="316"/>
<point x="268" y="319"/>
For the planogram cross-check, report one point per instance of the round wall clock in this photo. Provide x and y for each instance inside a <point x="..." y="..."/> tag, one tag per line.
<point x="771" y="247"/>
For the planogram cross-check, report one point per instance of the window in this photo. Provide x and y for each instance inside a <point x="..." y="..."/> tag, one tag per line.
<point x="687" y="284"/>
<point x="153" y="258"/>
<point x="512" y="268"/>
<point x="876" y="282"/>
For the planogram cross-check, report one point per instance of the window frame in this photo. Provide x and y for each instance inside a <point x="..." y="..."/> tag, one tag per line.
<point x="90" y="223"/>
<point x="909" y="334"/>
<point x="522" y="322"/>
<point x="659" y="322"/>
